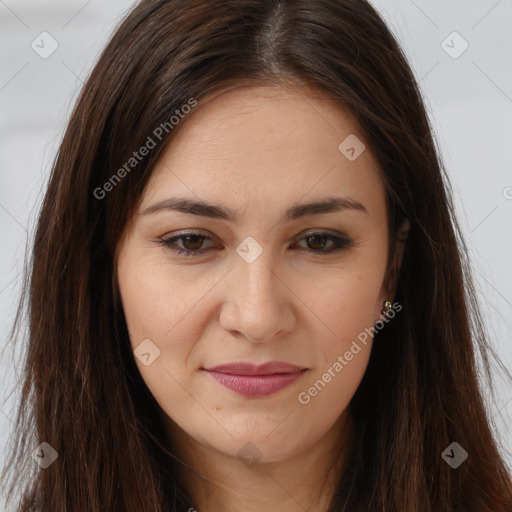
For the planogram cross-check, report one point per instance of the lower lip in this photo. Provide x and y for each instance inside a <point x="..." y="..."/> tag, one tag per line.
<point x="256" y="385"/>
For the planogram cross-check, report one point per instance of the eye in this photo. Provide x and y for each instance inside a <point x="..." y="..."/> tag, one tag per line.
<point x="318" y="241"/>
<point x="190" y="243"/>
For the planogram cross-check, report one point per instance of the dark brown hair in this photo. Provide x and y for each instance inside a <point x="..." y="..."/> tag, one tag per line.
<point x="81" y="390"/>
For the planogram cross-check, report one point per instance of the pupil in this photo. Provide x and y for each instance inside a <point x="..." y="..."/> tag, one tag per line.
<point x="198" y="240"/>
<point x="316" y="239"/>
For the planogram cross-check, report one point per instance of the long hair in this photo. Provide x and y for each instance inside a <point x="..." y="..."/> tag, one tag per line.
<point x="81" y="391"/>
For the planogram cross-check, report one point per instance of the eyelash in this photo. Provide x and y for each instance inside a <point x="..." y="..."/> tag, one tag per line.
<point x="341" y="244"/>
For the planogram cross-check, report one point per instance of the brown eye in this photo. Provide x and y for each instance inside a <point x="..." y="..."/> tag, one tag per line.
<point x="187" y="244"/>
<point x="316" y="242"/>
<point x="325" y="243"/>
<point x="192" y="242"/>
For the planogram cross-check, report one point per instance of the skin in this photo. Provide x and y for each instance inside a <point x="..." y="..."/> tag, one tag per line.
<point x="258" y="152"/>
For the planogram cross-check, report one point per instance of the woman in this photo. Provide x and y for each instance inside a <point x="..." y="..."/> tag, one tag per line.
<point x="248" y="287"/>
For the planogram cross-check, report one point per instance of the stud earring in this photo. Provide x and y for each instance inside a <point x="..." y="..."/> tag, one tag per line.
<point x="387" y="306"/>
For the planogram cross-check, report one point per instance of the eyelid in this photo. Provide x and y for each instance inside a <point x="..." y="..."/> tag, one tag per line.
<point x="187" y="232"/>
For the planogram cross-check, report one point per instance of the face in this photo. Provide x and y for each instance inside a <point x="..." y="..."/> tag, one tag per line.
<point x="260" y="279"/>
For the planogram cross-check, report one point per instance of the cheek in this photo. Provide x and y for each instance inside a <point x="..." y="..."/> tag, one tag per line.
<point x="163" y="320"/>
<point x="343" y="340"/>
<point x="346" y="304"/>
<point x="158" y="317"/>
<point x="153" y="303"/>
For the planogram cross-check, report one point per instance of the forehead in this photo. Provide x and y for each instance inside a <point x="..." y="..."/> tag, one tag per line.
<point x="263" y="118"/>
<point x="266" y="143"/>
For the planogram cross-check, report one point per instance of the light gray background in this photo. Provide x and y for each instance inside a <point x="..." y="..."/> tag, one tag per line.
<point x="469" y="100"/>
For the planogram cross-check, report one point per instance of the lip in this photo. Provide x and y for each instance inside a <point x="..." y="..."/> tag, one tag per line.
<point x="256" y="381"/>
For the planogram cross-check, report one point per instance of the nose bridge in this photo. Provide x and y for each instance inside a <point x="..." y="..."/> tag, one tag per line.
<point x="255" y="267"/>
<point x="258" y="305"/>
<point x="256" y="285"/>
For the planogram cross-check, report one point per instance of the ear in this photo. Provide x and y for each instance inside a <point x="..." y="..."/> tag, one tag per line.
<point x="394" y="270"/>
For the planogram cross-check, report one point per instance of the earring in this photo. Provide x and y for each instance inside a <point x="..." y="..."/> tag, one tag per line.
<point x="387" y="307"/>
<point x="384" y="315"/>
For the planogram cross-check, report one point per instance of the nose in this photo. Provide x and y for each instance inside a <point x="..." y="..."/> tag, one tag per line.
<point x="259" y="306"/>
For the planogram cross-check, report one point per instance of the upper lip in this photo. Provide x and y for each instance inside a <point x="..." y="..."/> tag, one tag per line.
<point x="243" y="368"/>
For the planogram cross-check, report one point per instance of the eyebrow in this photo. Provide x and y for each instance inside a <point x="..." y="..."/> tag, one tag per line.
<point x="328" y="205"/>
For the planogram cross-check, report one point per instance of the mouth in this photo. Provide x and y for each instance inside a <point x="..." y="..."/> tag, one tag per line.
<point x="256" y="381"/>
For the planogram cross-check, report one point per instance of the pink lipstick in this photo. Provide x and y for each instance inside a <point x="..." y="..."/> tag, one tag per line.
<point x="256" y="381"/>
